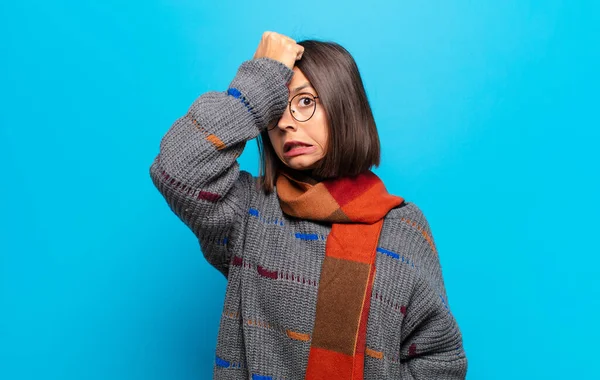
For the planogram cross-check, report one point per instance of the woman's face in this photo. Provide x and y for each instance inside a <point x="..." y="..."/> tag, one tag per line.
<point x="300" y="145"/>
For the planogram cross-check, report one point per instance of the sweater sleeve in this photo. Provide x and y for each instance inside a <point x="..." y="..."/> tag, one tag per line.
<point x="196" y="169"/>
<point x="431" y="341"/>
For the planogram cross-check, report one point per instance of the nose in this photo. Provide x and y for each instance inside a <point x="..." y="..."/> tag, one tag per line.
<point x="287" y="121"/>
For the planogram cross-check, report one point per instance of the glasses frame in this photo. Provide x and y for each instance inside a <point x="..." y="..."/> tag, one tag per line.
<point x="314" y="108"/>
<point x="290" y="108"/>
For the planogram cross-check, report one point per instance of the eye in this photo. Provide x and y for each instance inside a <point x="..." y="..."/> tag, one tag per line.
<point x="305" y="101"/>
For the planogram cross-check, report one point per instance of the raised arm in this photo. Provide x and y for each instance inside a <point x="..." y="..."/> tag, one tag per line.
<point x="196" y="169"/>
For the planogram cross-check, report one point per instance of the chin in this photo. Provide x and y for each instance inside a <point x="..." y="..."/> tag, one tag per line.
<point x="301" y="165"/>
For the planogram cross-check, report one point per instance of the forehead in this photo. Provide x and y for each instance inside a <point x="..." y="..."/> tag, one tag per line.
<point x="298" y="79"/>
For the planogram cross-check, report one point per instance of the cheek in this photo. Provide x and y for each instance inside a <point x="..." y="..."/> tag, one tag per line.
<point x="322" y="132"/>
<point x="275" y="141"/>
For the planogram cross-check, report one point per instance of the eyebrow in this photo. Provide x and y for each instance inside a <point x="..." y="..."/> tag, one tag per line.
<point x="305" y="85"/>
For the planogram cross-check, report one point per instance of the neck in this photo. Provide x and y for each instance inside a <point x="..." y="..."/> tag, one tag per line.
<point x="304" y="175"/>
<point x="316" y="177"/>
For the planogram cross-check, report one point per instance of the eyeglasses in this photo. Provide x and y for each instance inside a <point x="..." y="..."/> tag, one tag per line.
<point x="302" y="107"/>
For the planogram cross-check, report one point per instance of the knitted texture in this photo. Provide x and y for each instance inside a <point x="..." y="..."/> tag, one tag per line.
<point x="273" y="261"/>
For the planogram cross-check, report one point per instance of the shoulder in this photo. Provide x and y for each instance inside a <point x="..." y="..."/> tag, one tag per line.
<point x="407" y="212"/>
<point x="254" y="186"/>
<point x="406" y="231"/>
<point x="407" y="221"/>
<point x="251" y="182"/>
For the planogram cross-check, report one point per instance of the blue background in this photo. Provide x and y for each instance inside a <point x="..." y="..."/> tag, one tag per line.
<point x="488" y="114"/>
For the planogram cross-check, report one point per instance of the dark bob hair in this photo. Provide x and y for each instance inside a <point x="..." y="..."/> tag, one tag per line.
<point x="353" y="142"/>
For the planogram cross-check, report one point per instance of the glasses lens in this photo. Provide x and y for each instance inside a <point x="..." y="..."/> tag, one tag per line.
<point x="303" y="106"/>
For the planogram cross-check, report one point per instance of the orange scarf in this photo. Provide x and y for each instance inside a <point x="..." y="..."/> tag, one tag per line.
<point x="356" y="207"/>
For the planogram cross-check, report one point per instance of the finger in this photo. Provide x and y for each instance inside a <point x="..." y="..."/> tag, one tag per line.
<point x="288" y="38"/>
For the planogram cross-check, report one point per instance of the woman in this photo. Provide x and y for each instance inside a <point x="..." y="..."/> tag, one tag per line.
<point x="329" y="276"/>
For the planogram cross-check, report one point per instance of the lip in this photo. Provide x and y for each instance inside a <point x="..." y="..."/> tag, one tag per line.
<point x="298" y="150"/>
<point x="294" y="142"/>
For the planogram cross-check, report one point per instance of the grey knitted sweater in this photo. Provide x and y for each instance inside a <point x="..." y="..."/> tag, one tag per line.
<point x="272" y="262"/>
